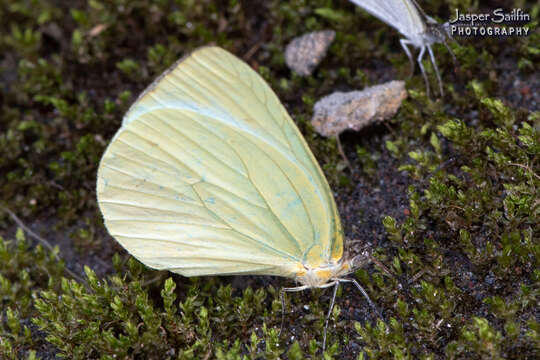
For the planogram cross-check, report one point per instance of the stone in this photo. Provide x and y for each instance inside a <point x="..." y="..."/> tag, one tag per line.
<point x="305" y="52"/>
<point x="354" y="110"/>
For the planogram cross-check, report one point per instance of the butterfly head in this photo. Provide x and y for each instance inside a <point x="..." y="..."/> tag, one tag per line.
<point x="436" y="32"/>
<point x="320" y="275"/>
<point x="315" y="277"/>
<point x="447" y="30"/>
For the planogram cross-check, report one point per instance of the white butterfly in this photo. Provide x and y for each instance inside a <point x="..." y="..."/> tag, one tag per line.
<point x="419" y="29"/>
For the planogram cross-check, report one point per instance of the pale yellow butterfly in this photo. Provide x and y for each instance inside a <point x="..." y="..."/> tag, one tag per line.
<point x="209" y="175"/>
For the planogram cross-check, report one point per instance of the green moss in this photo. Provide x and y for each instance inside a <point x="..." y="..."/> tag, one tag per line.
<point x="23" y="270"/>
<point x="485" y="203"/>
<point x="115" y="317"/>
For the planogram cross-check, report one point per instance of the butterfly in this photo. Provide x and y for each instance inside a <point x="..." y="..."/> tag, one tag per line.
<point x="209" y="175"/>
<point x="419" y="29"/>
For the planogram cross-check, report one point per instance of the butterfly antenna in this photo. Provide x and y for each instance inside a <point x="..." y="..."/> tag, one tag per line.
<point x="432" y="58"/>
<point x="419" y="60"/>
<point x="336" y="285"/>
<point x="382" y="266"/>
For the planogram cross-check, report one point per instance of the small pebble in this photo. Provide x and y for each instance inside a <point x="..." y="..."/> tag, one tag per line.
<point x="305" y="52"/>
<point x="354" y="110"/>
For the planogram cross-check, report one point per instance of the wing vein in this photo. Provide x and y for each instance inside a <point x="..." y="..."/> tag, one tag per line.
<point x="144" y="121"/>
<point x="146" y="180"/>
<point x="153" y="195"/>
<point x="291" y="237"/>
<point x="138" y="206"/>
<point x="246" y="235"/>
<point x="166" y="152"/>
<point x="249" y="88"/>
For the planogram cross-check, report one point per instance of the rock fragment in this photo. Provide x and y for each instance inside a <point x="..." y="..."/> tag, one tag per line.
<point x="305" y="52"/>
<point x="354" y="110"/>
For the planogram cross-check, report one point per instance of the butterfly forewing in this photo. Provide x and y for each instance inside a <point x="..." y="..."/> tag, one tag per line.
<point x="400" y="14"/>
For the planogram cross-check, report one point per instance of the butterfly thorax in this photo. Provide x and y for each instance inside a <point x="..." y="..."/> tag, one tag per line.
<point x="433" y="34"/>
<point x="315" y="277"/>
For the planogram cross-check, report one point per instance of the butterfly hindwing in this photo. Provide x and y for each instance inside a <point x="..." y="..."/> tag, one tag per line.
<point x="209" y="175"/>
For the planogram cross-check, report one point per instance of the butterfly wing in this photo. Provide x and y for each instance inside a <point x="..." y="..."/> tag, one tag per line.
<point x="400" y="14"/>
<point x="209" y="175"/>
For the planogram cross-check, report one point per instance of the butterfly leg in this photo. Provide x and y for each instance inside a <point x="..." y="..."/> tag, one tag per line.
<point x="363" y="293"/>
<point x="419" y="60"/>
<point x="404" y="43"/>
<point x="336" y="285"/>
<point x="432" y="57"/>
<point x="282" y="298"/>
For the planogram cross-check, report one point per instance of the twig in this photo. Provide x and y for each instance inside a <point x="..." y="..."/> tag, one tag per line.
<point x="456" y="207"/>
<point x="43" y="241"/>
<point x="526" y="168"/>
<point x="252" y="51"/>
<point x="382" y="266"/>
<point x="417" y="276"/>
<point x="153" y="280"/>
<point x="342" y="153"/>
<point x="389" y="128"/>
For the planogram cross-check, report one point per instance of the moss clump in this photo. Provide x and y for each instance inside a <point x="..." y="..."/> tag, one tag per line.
<point x="23" y="271"/>
<point x="115" y="318"/>
<point x="118" y="317"/>
<point x="468" y="242"/>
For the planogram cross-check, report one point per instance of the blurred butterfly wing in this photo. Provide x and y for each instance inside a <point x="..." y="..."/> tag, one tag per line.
<point x="400" y="14"/>
<point x="209" y="175"/>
